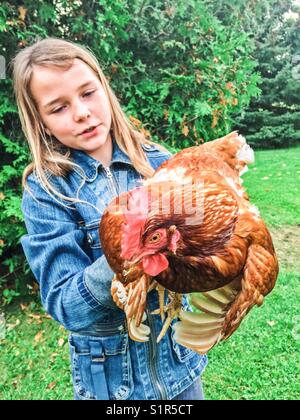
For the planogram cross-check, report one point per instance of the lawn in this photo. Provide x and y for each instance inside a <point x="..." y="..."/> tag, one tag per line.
<point x="260" y="361"/>
<point x="273" y="183"/>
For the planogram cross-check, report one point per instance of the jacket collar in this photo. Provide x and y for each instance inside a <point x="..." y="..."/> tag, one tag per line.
<point x="90" y="165"/>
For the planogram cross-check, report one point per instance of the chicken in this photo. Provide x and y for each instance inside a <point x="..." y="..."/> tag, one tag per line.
<point x="192" y="229"/>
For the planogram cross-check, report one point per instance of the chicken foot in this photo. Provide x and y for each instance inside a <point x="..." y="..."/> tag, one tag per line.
<point x="161" y="299"/>
<point x="172" y="309"/>
<point x="132" y="300"/>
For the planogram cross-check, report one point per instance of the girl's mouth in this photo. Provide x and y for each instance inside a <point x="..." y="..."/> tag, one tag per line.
<point x="90" y="132"/>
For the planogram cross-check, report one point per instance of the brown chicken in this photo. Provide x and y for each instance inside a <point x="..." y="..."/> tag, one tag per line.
<point x="192" y="229"/>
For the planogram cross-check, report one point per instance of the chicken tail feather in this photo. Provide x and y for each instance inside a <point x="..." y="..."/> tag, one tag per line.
<point x="234" y="150"/>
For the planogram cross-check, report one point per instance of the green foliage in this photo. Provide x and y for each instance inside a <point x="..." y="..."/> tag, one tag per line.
<point x="9" y="295"/>
<point x="197" y="73"/>
<point x="273" y="119"/>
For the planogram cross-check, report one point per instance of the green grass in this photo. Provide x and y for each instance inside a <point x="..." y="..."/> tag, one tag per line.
<point x="34" y="357"/>
<point x="260" y="361"/>
<point x="273" y="184"/>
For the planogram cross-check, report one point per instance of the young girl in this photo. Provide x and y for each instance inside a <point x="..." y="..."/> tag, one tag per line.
<point x="84" y="153"/>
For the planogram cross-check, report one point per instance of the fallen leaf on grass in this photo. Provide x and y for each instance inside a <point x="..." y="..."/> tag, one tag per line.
<point x="61" y="342"/>
<point x="35" y="316"/>
<point x="51" y="385"/>
<point x="38" y="336"/>
<point x="15" y="383"/>
<point x="12" y="326"/>
<point x="37" y="319"/>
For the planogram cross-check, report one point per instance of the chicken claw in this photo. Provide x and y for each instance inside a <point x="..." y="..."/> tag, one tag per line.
<point x="118" y="293"/>
<point x="173" y="309"/>
<point x="132" y="300"/>
<point x="140" y="333"/>
<point x="161" y="299"/>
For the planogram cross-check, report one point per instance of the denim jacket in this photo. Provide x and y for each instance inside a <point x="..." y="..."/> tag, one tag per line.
<point x="64" y="252"/>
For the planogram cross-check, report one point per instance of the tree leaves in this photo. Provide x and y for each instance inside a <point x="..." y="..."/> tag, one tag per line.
<point x="201" y="109"/>
<point x="271" y="119"/>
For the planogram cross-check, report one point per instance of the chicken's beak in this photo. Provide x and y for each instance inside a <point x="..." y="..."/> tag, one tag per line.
<point x="129" y="266"/>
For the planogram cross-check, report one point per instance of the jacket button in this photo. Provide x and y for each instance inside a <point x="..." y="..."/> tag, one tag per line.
<point x="90" y="238"/>
<point x="147" y="146"/>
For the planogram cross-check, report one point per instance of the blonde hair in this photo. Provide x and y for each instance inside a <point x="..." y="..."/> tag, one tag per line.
<point x="48" y="155"/>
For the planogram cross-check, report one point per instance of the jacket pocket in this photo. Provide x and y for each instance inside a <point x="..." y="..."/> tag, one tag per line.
<point x="116" y="361"/>
<point x="194" y="362"/>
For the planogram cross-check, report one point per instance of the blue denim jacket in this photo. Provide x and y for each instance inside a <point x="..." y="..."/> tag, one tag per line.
<point x="63" y="249"/>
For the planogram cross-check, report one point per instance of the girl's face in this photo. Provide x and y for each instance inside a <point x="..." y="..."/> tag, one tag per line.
<point x="71" y="101"/>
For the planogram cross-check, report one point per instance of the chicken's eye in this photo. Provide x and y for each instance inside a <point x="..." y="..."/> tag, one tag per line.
<point x="155" y="238"/>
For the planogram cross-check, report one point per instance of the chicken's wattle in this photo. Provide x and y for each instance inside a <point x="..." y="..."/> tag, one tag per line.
<point x="155" y="264"/>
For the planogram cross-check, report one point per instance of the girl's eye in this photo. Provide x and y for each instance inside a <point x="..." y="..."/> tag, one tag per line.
<point x="155" y="238"/>
<point x="57" y="110"/>
<point x="89" y="93"/>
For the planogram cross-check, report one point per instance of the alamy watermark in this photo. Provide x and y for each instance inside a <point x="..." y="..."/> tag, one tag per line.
<point x="296" y="67"/>
<point x="2" y="67"/>
<point x="164" y="199"/>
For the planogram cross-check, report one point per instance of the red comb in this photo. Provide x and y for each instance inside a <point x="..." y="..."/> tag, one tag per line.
<point x="135" y="217"/>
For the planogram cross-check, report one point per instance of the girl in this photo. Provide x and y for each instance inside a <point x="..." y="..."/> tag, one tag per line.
<point x="84" y="153"/>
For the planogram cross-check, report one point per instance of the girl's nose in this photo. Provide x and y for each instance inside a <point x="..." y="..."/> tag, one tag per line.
<point x="81" y="112"/>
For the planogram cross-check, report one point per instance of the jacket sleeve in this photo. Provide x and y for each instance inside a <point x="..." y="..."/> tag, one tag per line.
<point x="73" y="289"/>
